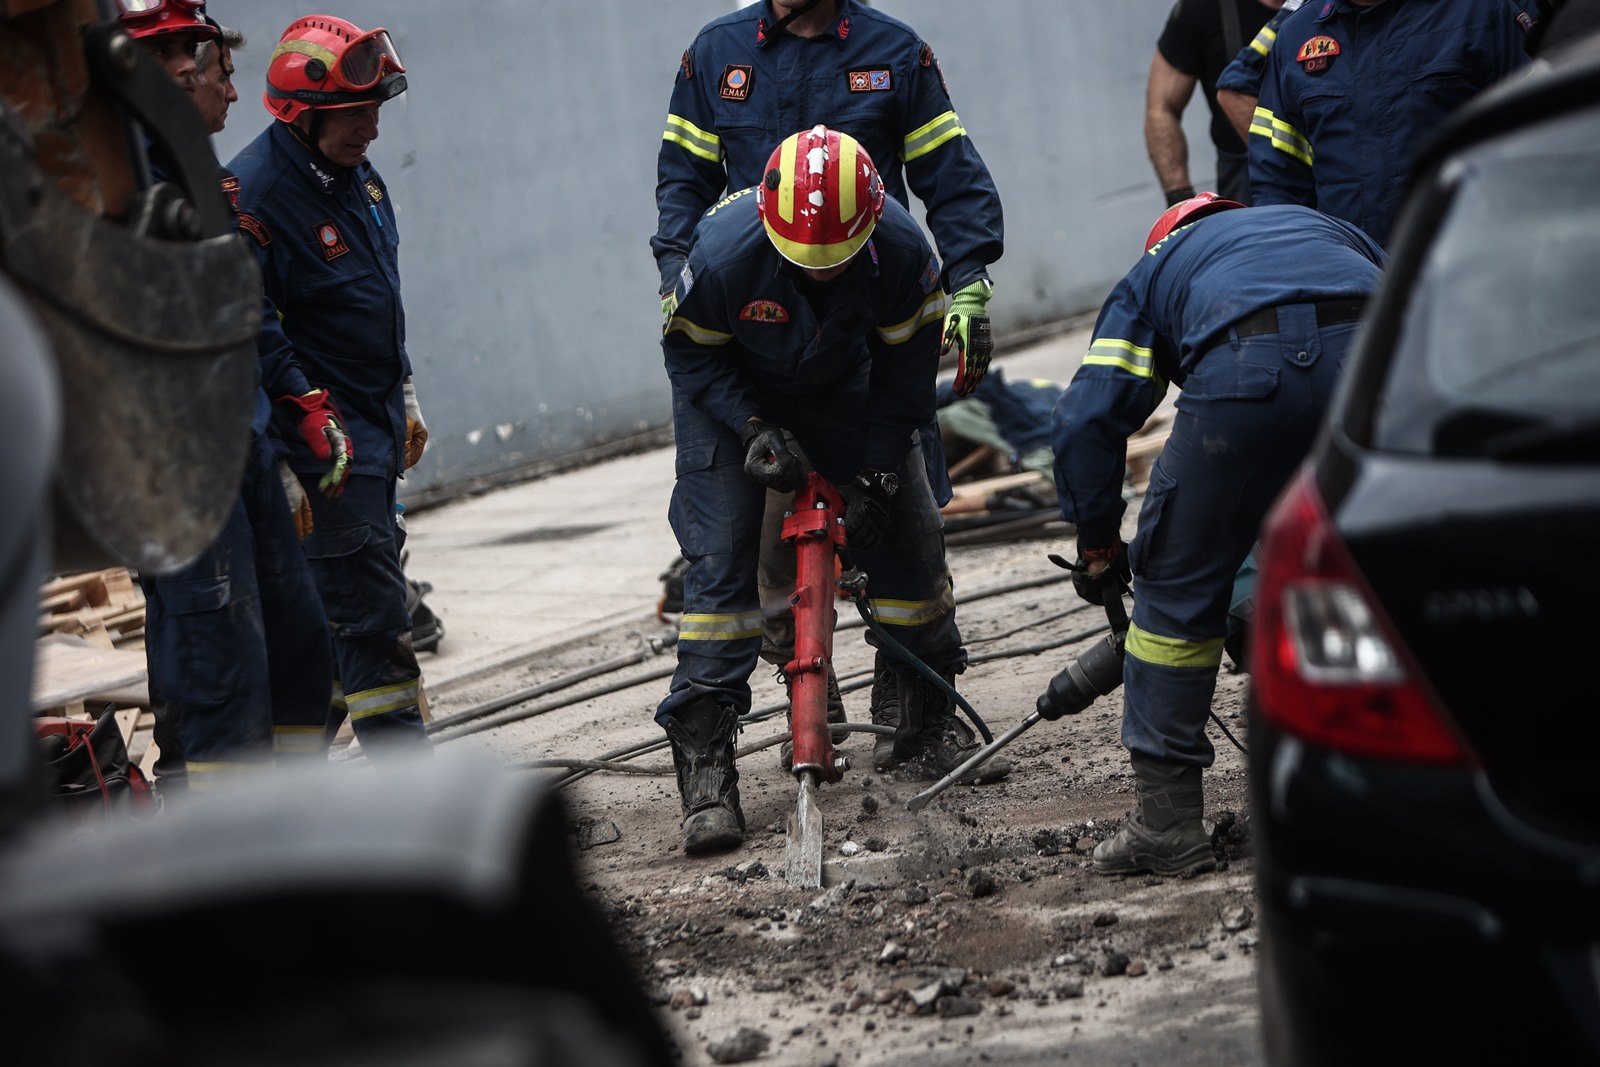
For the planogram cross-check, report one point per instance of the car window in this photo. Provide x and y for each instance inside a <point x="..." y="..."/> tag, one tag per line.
<point x="1499" y="345"/>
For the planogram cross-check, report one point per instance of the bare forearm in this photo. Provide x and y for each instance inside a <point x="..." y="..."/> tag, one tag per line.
<point x="1240" y="109"/>
<point x="1169" y="150"/>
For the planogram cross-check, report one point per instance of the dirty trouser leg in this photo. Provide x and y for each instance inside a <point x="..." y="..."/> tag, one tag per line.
<point x="354" y="553"/>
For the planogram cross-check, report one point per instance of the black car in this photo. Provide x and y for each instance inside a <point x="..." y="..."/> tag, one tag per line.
<point x="1424" y="702"/>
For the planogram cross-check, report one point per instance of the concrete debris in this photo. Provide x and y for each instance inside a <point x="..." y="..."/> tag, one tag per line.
<point x="980" y="883"/>
<point x="742" y="1046"/>
<point x="592" y="832"/>
<point x="1239" y="918"/>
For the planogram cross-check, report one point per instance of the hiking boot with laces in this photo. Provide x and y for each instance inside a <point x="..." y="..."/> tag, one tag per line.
<point x="702" y="737"/>
<point x="836" y="716"/>
<point x="1166" y="834"/>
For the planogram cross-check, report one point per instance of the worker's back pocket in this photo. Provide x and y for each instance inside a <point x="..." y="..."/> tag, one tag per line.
<point x="1217" y="377"/>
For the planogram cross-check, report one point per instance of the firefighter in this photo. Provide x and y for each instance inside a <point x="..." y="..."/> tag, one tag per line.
<point x="235" y="640"/>
<point x="750" y="79"/>
<point x="1351" y="87"/>
<point x="1249" y="311"/>
<point x="214" y="89"/>
<point x="1239" y="84"/>
<point x="323" y="227"/>
<point x="809" y="309"/>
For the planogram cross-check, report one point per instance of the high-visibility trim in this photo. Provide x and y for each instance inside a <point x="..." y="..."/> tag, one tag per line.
<point x="297" y="740"/>
<point x="1173" y="652"/>
<point x="692" y="139"/>
<point x="786" y="157"/>
<point x="1284" y="137"/>
<point x="383" y="700"/>
<point x="208" y="775"/>
<point x="913" y="612"/>
<point x="696" y="333"/>
<point x="823" y="256"/>
<point x="927" y="137"/>
<point x="847" y="180"/>
<point x="309" y="49"/>
<point x="932" y="310"/>
<point x="337" y="703"/>
<point x="1115" y="352"/>
<point x="736" y="627"/>
<point x="1263" y="40"/>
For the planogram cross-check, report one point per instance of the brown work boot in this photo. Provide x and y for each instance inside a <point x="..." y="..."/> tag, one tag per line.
<point x="1167" y="833"/>
<point x="930" y="741"/>
<point x="835" y="716"/>
<point x="702" y="737"/>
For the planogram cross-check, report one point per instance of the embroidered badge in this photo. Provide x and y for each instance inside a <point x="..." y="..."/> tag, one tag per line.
<point x="942" y="83"/>
<point x="375" y="191"/>
<point x="764" y="311"/>
<point x="1525" y="20"/>
<point x="1316" y="55"/>
<point x="329" y="238"/>
<point x="255" y="228"/>
<point x="868" y="81"/>
<point x="736" y="79"/>
<point x="926" y="58"/>
<point x="688" y="65"/>
<point x="844" y="29"/>
<point x="930" y="275"/>
<point x="230" y="189"/>
<point x="685" y="283"/>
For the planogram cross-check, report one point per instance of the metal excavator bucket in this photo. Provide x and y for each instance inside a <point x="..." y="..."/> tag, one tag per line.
<point x="150" y="303"/>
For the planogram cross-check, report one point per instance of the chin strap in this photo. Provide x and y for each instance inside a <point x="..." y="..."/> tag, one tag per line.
<point x="777" y="27"/>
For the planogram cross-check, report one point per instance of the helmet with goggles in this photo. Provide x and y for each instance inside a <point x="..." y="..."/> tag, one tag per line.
<point x="1184" y="212"/>
<point x="150" y="18"/>
<point x="324" y="62"/>
<point x="820" y="198"/>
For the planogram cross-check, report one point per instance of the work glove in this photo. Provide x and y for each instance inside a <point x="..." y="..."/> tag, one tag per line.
<point x="1100" y="569"/>
<point x="669" y="305"/>
<point x="866" y="507"/>
<point x="416" y="429"/>
<point x="299" y="503"/>
<point x="767" y="457"/>
<point x="323" y="429"/>
<point x="1179" y="195"/>
<point x="967" y="335"/>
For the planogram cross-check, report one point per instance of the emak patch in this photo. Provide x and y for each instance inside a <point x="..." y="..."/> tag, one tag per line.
<point x="764" y="311"/>
<point x="736" y="81"/>
<point x="331" y="240"/>
<point x="868" y="81"/>
<point x="1317" y="54"/>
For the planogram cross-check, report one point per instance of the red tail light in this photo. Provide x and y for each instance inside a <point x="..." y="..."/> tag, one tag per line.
<point x="1325" y="664"/>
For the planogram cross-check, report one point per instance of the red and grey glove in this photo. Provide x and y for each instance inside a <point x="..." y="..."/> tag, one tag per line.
<point x="1099" y="569"/>
<point x="323" y="429"/>
<point x="968" y="336"/>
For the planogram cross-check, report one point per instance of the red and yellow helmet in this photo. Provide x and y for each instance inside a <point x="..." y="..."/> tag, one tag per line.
<point x="820" y="198"/>
<point x="325" y="62"/>
<point x="1184" y="212"/>
<point x="151" y="18"/>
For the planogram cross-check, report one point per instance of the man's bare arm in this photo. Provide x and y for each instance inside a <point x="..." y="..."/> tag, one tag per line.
<point x="1240" y="109"/>
<point x="1166" y="95"/>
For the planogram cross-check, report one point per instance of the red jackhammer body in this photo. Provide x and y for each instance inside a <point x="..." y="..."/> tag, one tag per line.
<point x="816" y="533"/>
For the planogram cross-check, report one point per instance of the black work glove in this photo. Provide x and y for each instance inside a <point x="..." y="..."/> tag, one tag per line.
<point x="1100" y="569"/>
<point x="767" y="459"/>
<point x="866" y="507"/>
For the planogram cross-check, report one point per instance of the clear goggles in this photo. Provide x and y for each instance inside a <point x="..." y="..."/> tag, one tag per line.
<point x="366" y="60"/>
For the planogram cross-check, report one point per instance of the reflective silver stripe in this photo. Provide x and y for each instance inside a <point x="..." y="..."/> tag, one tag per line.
<point x="737" y="627"/>
<point x="932" y="310"/>
<point x="1284" y="137"/>
<point x="1115" y="352"/>
<point x="914" y="612"/>
<point x="694" y="140"/>
<point x="925" y="138"/>
<point x="297" y="739"/>
<point x="397" y="697"/>
<point x="1172" y="651"/>
<point x="698" y="334"/>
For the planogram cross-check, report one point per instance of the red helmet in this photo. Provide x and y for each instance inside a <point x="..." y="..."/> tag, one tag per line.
<point x="820" y="198"/>
<point x="1184" y="212"/>
<point x="325" y="62"/>
<point x="148" y="18"/>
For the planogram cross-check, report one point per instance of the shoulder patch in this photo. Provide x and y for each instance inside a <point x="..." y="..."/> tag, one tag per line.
<point x="230" y="189"/>
<point x="926" y="58"/>
<point x="764" y="311"/>
<point x="942" y="83"/>
<point x="930" y="275"/>
<point x="687" y="65"/>
<point x="255" y="228"/>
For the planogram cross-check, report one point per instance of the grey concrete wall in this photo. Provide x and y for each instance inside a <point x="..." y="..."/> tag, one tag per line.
<point x="522" y="166"/>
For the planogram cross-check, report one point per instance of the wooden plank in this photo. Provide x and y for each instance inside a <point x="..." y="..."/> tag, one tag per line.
<point x="67" y="669"/>
<point x="983" y="488"/>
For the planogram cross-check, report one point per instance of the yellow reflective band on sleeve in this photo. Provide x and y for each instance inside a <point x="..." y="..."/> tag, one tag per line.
<point x="698" y="334"/>
<point x="1284" y="137"/>
<point x="338" y="696"/>
<point x="1171" y="652"/>
<point x="738" y="627"/>
<point x="1115" y="352"/>
<point x="914" y="612"/>
<point x="382" y="701"/>
<point x="208" y="776"/>
<point x="692" y="139"/>
<point x="924" y="139"/>
<point x="297" y="740"/>
<point x="1263" y="42"/>
<point x="932" y="310"/>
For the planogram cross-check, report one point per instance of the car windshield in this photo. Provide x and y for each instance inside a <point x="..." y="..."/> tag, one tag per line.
<point x="1499" y="347"/>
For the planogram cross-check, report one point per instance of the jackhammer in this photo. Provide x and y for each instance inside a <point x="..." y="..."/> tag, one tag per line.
<point x="1082" y="682"/>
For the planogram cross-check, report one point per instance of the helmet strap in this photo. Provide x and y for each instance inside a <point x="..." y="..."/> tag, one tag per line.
<point x="777" y="27"/>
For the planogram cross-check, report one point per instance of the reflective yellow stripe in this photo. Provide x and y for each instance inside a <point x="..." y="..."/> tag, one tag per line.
<point x="309" y="49"/>
<point x="381" y="701"/>
<point x="297" y="739"/>
<point x="207" y="776"/>
<point x="924" y="139"/>
<point x="692" y="139"/>
<point x="932" y="310"/>
<point x="1263" y="42"/>
<point x="720" y="627"/>
<point x="337" y="702"/>
<point x="1171" y="652"/>
<point x="913" y="612"/>
<point x="1284" y="137"/>
<point x="698" y="334"/>
<point x="1115" y="352"/>
<point x="786" y="188"/>
<point x="847" y="181"/>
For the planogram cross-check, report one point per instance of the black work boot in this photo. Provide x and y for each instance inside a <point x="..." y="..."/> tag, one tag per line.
<point x="702" y="739"/>
<point x="1166" y="833"/>
<point x="885" y="712"/>
<point x="835" y="715"/>
<point x="930" y="741"/>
